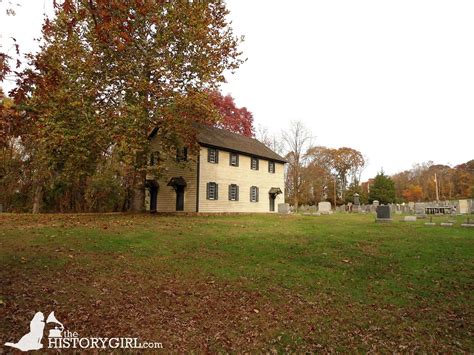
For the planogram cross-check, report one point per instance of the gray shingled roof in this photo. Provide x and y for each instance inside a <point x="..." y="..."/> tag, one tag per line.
<point x="221" y="138"/>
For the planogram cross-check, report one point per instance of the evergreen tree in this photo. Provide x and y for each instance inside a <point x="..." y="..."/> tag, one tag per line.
<point x="383" y="189"/>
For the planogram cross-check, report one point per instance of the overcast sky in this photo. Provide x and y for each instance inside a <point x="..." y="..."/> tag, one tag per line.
<point x="393" y="79"/>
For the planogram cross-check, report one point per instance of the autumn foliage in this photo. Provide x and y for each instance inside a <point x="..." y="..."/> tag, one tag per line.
<point x="232" y="118"/>
<point x="418" y="183"/>
<point x="107" y="73"/>
<point x="413" y="193"/>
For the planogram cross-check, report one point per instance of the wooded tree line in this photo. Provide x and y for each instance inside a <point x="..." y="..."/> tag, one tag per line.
<point x="419" y="183"/>
<point x="316" y="173"/>
<point x="74" y="130"/>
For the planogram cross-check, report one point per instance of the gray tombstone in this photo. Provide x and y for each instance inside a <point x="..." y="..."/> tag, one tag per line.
<point x="324" y="207"/>
<point x="383" y="214"/>
<point x="420" y="208"/>
<point x="356" y="199"/>
<point x="284" y="208"/>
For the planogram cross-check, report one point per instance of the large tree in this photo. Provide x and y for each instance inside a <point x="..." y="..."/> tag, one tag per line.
<point x="297" y="140"/>
<point x="318" y="178"/>
<point x="109" y="72"/>
<point x="348" y="165"/>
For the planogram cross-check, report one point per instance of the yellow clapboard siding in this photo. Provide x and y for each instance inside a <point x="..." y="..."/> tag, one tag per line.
<point x="224" y="174"/>
<point x="166" y="200"/>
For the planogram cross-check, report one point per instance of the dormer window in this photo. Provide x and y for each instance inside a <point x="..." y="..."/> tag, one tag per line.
<point x="213" y="156"/>
<point x="254" y="163"/>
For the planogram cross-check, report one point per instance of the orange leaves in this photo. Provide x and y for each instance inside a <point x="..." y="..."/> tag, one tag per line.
<point x="413" y="193"/>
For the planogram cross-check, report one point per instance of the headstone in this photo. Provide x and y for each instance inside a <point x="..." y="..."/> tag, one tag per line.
<point x="468" y="223"/>
<point x="447" y="224"/>
<point x="374" y="205"/>
<point x="409" y="219"/>
<point x="463" y="207"/>
<point x="411" y="206"/>
<point x="284" y="208"/>
<point x="419" y="208"/>
<point x="356" y="199"/>
<point x="383" y="214"/>
<point x="356" y="207"/>
<point x="324" y="207"/>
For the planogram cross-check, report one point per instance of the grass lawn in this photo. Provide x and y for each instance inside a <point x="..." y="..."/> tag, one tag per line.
<point x="247" y="282"/>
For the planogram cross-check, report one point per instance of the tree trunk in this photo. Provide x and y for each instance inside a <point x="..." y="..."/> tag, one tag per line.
<point x="37" y="198"/>
<point x="138" y="195"/>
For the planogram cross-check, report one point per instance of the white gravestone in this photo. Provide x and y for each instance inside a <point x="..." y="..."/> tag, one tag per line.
<point x="463" y="207"/>
<point x="324" y="207"/>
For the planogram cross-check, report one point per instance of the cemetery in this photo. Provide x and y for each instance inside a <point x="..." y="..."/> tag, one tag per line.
<point x="152" y="192"/>
<point x="455" y="213"/>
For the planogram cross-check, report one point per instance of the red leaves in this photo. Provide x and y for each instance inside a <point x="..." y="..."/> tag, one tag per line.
<point x="234" y="119"/>
<point x="68" y="6"/>
<point x="4" y="66"/>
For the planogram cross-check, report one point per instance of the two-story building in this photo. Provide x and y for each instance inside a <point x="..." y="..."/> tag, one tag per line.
<point x="231" y="173"/>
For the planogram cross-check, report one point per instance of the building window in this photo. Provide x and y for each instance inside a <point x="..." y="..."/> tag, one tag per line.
<point x="233" y="159"/>
<point x="212" y="191"/>
<point x="213" y="156"/>
<point x="181" y="154"/>
<point x="233" y="192"/>
<point x="154" y="158"/>
<point x="254" y="163"/>
<point x="254" y="194"/>
<point x="271" y="167"/>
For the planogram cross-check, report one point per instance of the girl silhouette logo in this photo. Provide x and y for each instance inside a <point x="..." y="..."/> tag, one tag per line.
<point x="32" y="340"/>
